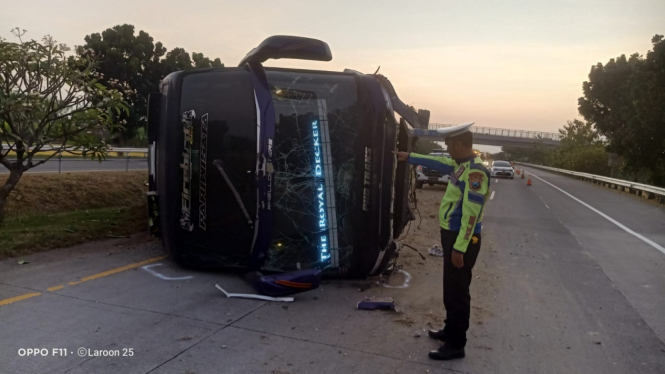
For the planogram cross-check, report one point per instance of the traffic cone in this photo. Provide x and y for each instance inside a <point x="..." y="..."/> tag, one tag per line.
<point x="522" y="174"/>
<point x="528" y="181"/>
<point x="517" y="171"/>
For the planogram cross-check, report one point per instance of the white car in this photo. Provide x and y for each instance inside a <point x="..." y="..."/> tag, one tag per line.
<point x="431" y="176"/>
<point x="502" y="169"/>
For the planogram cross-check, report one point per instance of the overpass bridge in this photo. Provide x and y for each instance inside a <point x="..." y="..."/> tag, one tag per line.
<point x="495" y="136"/>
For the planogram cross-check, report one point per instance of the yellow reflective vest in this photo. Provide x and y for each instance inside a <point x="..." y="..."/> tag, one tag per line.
<point x="468" y="189"/>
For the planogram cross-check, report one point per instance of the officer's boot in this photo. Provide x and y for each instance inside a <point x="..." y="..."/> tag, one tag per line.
<point x="437" y="335"/>
<point x="447" y="352"/>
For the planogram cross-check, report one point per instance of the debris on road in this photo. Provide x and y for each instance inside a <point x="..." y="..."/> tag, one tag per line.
<point x="254" y="296"/>
<point x="376" y="304"/>
<point x="285" y="283"/>
<point x="23" y="262"/>
<point x="406" y="321"/>
<point x="363" y="286"/>
<point x="435" y="250"/>
<point x="415" y="250"/>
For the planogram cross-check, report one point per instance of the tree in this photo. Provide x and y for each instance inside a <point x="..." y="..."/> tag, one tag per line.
<point x="203" y="62"/>
<point x="131" y="59"/>
<point x="625" y="101"/>
<point x="142" y="64"/>
<point x="578" y="133"/>
<point x="49" y="103"/>
<point x="177" y="59"/>
<point x="581" y="149"/>
<point x="536" y="154"/>
<point x="426" y="146"/>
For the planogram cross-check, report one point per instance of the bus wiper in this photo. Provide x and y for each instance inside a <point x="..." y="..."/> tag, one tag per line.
<point x="218" y="163"/>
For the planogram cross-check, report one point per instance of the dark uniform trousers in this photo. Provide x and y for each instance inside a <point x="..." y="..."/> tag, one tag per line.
<point x="456" y="282"/>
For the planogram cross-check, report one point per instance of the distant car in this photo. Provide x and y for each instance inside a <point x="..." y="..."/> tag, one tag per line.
<point x="431" y="176"/>
<point x="503" y="169"/>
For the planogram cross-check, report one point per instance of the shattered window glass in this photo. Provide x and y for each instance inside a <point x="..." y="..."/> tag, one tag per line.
<point x="317" y="121"/>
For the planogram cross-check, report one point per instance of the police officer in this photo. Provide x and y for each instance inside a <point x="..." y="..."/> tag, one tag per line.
<point x="460" y="217"/>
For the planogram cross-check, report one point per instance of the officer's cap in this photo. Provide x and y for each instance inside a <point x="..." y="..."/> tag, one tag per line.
<point x="449" y="132"/>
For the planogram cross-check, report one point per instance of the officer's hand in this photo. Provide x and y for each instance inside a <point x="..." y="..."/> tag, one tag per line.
<point x="402" y="156"/>
<point x="458" y="259"/>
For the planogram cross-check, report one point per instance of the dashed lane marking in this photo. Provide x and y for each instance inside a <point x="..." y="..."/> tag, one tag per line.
<point x="492" y="196"/>
<point x="118" y="270"/>
<point x="619" y="224"/>
<point x="18" y="298"/>
<point x="94" y="276"/>
<point x="541" y="199"/>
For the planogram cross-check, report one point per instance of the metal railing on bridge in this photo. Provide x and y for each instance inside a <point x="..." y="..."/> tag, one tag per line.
<point x="512" y="133"/>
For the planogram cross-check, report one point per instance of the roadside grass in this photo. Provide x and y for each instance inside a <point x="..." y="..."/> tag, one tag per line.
<point x="60" y="210"/>
<point x="42" y="232"/>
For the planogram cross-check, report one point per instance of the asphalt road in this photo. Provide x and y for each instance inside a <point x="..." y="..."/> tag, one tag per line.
<point x="584" y="295"/>
<point x="53" y="166"/>
<point x="558" y="288"/>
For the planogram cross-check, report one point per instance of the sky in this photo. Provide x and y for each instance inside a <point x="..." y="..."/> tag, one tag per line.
<point x="507" y="64"/>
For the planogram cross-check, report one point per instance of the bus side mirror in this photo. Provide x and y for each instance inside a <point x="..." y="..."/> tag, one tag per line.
<point x="283" y="46"/>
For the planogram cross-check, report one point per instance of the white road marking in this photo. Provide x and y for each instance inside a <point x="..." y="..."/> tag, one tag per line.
<point x="626" y="229"/>
<point x="492" y="196"/>
<point x="407" y="279"/>
<point x="541" y="199"/>
<point x="162" y="276"/>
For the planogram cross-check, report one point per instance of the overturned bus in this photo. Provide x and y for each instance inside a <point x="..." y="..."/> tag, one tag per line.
<point x="278" y="170"/>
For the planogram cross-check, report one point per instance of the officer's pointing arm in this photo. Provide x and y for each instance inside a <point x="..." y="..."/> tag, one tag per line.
<point x="477" y="185"/>
<point x="444" y="165"/>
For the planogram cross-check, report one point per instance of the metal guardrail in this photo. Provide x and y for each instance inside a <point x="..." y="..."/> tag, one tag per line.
<point x="628" y="186"/>
<point x="132" y="150"/>
<point x="60" y="159"/>
<point x="47" y="148"/>
<point x="504" y="132"/>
